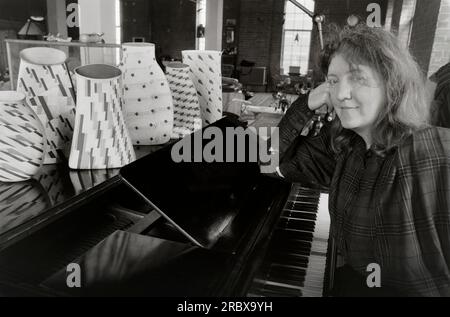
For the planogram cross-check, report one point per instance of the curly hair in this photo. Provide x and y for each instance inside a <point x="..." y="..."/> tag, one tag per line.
<point x="406" y="109"/>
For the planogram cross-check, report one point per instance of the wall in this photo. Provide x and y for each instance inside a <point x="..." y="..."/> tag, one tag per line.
<point x="423" y="31"/>
<point x="21" y="10"/>
<point x="440" y="53"/>
<point x="135" y="19"/>
<point x="13" y="15"/>
<point x="98" y="16"/>
<point x="406" y="20"/>
<point x="389" y="15"/>
<point x="56" y="17"/>
<point x="260" y="33"/>
<point x="396" y="15"/>
<point x="402" y="18"/>
<point x="231" y="11"/>
<point x="172" y="26"/>
<point x="213" y="26"/>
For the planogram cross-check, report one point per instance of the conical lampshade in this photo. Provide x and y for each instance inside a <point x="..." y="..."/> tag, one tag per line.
<point x="30" y="28"/>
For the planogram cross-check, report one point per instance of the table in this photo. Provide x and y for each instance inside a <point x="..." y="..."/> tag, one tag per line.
<point x="267" y="118"/>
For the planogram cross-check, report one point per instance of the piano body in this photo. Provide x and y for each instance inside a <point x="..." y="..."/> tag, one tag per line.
<point x="270" y="239"/>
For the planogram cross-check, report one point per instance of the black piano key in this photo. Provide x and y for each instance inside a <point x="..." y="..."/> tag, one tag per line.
<point x="294" y="260"/>
<point x="294" y="234"/>
<point x="295" y="278"/>
<point x="297" y="224"/>
<point x="301" y="250"/>
<point x="301" y="206"/>
<point x="304" y="199"/>
<point x="299" y="214"/>
<point x="291" y="243"/>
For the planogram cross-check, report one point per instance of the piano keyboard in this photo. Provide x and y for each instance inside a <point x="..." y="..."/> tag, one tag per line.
<point x="296" y="259"/>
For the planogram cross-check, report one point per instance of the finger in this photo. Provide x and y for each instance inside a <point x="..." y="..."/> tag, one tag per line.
<point x="322" y="109"/>
<point x="329" y="103"/>
<point x="326" y="99"/>
<point x="330" y="107"/>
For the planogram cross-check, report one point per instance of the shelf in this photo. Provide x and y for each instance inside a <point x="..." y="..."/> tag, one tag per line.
<point x="51" y="43"/>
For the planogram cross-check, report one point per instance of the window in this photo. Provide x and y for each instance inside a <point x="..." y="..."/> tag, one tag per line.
<point x="201" y="24"/>
<point x="118" y="30"/>
<point x="296" y="37"/>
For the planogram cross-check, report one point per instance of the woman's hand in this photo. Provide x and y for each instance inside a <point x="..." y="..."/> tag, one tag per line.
<point x="319" y="99"/>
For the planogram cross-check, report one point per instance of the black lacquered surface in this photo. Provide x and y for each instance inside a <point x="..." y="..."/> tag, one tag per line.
<point x="100" y="234"/>
<point x="127" y="264"/>
<point x="51" y="190"/>
<point x="199" y="198"/>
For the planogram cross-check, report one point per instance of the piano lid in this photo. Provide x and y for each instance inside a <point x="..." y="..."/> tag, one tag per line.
<point x="201" y="198"/>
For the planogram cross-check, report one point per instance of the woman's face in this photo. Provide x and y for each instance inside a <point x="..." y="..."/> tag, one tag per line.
<point x="357" y="94"/>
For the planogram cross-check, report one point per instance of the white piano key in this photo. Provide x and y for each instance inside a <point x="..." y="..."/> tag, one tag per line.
<point x="302" y="243"/>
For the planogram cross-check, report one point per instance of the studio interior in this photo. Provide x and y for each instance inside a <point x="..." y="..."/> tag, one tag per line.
<point x="105" y="192"/>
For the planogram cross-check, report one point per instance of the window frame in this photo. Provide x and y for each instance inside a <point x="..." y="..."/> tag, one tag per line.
<point x="303" y="70"/>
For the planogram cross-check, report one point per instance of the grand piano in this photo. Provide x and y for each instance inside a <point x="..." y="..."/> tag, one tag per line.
<point x="154" y="228"/>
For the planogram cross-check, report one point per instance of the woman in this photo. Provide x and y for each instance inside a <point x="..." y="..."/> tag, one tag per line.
<point x="439" y="91"/>
<point x="387" y="170"/>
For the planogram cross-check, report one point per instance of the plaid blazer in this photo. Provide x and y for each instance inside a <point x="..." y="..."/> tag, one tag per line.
<point x="440" y="114"/>
<point x="393" y="210"/>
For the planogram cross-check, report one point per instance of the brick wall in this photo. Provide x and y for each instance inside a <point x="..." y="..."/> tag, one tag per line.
<point x="423" y="31"/>
<point x="260" y="32"/>
<point x="13" y="15"/>
<point x="231" y="11"/>
<point x="440" y="53"/>
<point x="21" y="10"/>
<point x="172" y="26"/>
<point x="277" y="37"/>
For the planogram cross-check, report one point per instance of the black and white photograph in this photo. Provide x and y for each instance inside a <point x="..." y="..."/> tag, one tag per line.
<point x="225" y="155"/>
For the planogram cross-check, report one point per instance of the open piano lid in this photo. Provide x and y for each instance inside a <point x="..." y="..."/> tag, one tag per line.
<point x="200" y="199"/>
